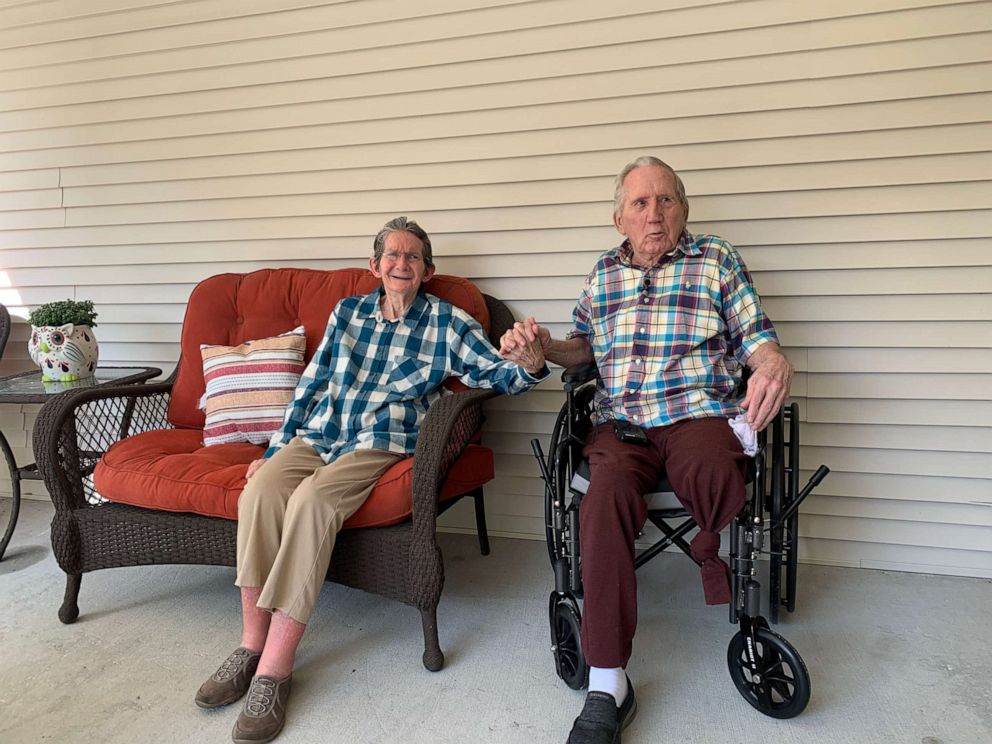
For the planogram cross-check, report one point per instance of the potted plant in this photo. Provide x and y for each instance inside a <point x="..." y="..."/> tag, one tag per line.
<point x="62" y="341"/>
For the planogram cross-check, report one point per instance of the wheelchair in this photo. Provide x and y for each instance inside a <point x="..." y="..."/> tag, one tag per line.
<point x="765" y="668"/>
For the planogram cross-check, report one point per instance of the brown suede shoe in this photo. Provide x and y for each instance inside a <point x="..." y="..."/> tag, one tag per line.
<point x="230" y="681"/>
<point x="264" y="712"/>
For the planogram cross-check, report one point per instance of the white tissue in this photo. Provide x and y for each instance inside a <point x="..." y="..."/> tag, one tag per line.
<point x="747" y="436"/>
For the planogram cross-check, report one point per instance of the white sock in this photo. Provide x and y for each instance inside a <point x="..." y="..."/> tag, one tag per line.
<point x="612" y="681"/>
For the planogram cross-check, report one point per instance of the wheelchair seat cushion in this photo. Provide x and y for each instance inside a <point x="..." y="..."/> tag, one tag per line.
<point x="172" y="470"/>
<point x="660" y="498"/>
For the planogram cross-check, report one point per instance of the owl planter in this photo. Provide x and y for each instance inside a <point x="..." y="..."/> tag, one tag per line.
<point x="64" y="353"/>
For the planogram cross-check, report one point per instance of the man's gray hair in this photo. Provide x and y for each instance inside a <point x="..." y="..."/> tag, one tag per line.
<point x="402" y="224"/>
<point x="641" y="162"/>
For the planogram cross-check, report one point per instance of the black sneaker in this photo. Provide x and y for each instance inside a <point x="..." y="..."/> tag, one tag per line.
<point x="601" y="721"/>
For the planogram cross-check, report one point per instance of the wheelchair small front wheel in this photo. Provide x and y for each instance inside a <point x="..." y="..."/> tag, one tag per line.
<point x="781" y="687"/>
<point x="566" y="640"/>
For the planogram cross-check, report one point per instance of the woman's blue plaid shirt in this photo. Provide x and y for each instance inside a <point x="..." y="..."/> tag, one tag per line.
<point x="371" y="381"/>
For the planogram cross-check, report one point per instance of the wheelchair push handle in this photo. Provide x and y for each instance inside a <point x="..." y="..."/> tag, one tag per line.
<point x="813" y="482"/>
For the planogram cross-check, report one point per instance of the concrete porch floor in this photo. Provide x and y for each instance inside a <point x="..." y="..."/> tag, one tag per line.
<point x="894" y="657"/>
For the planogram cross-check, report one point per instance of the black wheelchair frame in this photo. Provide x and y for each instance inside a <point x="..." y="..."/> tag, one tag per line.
<point x="766" y="669"/>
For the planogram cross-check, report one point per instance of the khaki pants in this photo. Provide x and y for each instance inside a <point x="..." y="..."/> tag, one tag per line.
<point x="289" y="515"/>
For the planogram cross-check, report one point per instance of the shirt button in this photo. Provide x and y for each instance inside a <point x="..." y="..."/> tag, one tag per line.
<point x="688" y="285"/>
<point x="637" y="361"/>
<point x="645" y="299"/>
<point x="642" y="330"/>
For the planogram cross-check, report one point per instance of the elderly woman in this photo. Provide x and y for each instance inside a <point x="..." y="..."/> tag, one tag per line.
<point x="356" y="411"/>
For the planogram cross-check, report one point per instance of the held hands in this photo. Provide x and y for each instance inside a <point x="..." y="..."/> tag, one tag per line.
<point x="254" y="466"/>
<point x="768" y="386"/>
<point x="525" y="344"/>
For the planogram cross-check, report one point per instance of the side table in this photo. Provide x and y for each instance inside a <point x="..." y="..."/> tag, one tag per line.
<point x="27" y="387"/>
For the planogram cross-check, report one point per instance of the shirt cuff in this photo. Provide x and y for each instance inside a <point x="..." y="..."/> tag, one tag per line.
<point x="542" y="374"/>
<point x="751" y="344"/>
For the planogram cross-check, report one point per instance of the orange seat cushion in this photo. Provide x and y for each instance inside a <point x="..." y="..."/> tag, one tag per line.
<point x="172" y="470"/>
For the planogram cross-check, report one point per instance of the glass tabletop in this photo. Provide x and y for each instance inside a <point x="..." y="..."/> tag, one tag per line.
<point x="29" y="387"/>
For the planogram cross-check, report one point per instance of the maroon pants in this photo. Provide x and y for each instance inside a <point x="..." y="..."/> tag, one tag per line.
<point x="705" y="465"/>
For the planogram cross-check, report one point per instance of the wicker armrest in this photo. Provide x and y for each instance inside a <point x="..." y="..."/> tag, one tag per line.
<point x="74" y="429"/>
<point x="449" y="426"/>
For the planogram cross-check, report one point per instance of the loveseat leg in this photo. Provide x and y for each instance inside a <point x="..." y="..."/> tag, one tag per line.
<point x="69" y="610"/>
<point x="480" y="521"/>
<point x="433" y="658"/>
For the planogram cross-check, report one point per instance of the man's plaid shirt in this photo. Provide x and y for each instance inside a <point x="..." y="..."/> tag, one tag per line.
<point x="371" y="381"/>
<point x="670" y="341"/>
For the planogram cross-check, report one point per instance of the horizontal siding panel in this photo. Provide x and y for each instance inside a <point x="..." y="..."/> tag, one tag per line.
<point x="26" y="219"/>
<point x="28" y="12"/>
<point x="35" y="199"/>
<point x="548" y="121"/>
<point x="13" y="181"/>
<point x="901" y="307"/>
<point x="958" y="537"/>
<point x="937" y="438"/>
<point x="14" y="299"/>
<point x="896" y="462"/>
<point x="936" y="335"/>
<point x="586" y="192"/>
<point x="890" y="557"/>
<point x="539" y="154"/>
<point x="900" y="360"/>
<point x="31" y="27"/>
<point x="895" y="411"/>
<point x="903" y="488"/>
<point x="562" y="75"/>
<point x="589" y="47"/>
<point x="914" y="386"/>
<point x="873" y="172"/>
<point x="919" y="511"/>
<point x="221" y="21"/>
<point x="916" y="281"/>
<point x="576" y="98"/>
<point x="338" y="32"/>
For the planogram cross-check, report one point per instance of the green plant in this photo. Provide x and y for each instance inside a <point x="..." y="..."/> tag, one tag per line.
<point x="77" y="312"/>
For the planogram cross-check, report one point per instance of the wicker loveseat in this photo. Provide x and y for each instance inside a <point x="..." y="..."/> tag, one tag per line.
<point x="154" y="437"/>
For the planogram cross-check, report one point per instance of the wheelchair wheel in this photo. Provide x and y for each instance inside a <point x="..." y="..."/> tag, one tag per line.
<point x="566" y="643"/>
<point x="782" y="688"/>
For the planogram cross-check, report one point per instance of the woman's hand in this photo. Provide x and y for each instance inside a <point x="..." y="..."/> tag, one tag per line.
<point x="255" y="465"/>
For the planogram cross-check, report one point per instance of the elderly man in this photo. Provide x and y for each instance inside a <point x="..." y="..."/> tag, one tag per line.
<point x="356" y="411"/>
<point x="670" y="319"/>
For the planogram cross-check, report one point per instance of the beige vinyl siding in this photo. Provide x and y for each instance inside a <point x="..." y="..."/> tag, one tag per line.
<point x="844" y="147"/>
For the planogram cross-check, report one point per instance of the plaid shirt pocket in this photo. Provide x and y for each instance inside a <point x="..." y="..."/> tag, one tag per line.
<point x="408" y="375"/>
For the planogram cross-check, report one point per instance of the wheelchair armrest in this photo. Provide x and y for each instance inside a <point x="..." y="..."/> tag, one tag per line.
<point x="578" y="374"/>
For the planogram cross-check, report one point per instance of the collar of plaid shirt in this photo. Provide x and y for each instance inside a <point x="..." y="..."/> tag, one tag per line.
<point x="371" y="307"/>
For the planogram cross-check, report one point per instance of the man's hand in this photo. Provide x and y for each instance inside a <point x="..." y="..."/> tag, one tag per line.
<point x="524" y="332"/>
<point x="255" y="465"/>
<point x="566" y="353"/>
<point x="768" y="386"/>
<point x="525" y="344"/>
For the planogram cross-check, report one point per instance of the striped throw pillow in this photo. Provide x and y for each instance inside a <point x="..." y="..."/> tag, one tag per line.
<point x="249" y="387"/>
